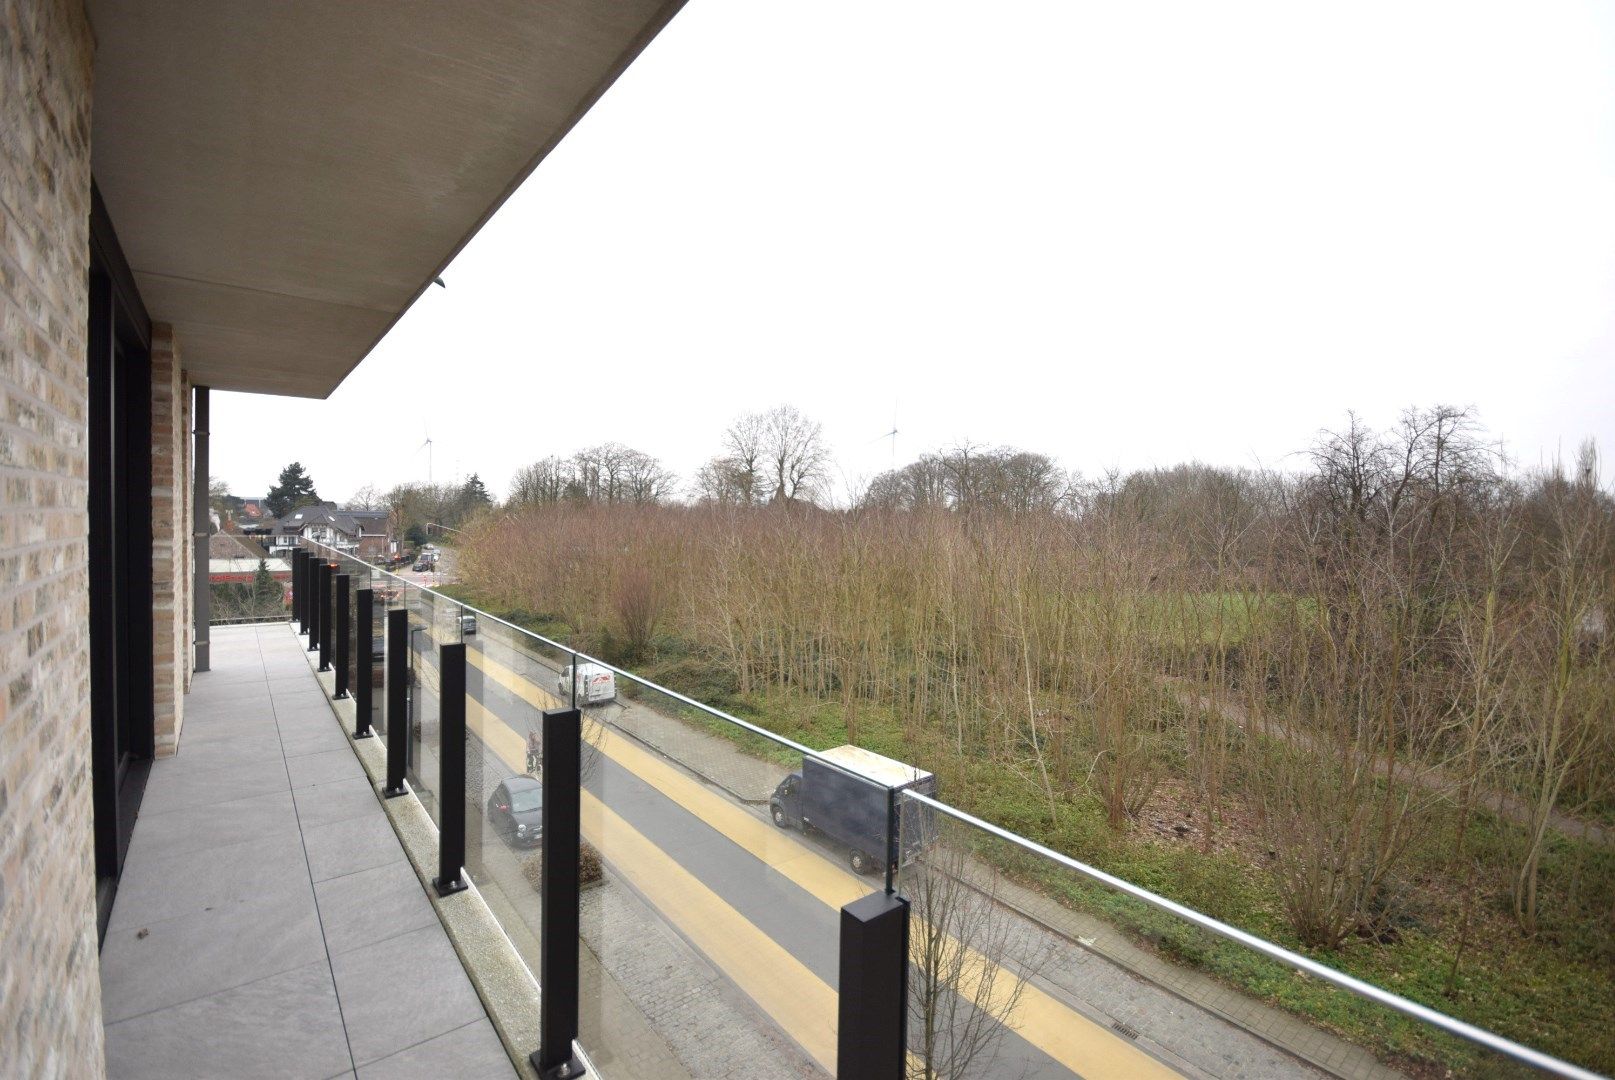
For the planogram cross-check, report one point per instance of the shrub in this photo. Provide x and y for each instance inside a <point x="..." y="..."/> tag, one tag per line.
<point x="590" y="871"/>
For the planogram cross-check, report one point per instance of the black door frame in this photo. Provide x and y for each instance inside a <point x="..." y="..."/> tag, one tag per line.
<point x="119" y="445"/>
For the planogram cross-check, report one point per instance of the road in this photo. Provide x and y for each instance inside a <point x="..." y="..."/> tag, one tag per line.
<point x="760" y="906"/>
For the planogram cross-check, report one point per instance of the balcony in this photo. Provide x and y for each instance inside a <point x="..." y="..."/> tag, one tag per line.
<point x="282" y="915"/>
<point x="268" y="922"/>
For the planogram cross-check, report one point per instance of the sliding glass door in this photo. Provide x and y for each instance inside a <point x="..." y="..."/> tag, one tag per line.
<point x="120" y="555"/>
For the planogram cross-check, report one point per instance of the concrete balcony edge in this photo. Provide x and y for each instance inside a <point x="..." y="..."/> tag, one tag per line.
<point x="507" y="987"/>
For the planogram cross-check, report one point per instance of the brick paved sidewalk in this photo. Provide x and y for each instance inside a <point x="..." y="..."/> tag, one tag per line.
<point x="712" y="757"/>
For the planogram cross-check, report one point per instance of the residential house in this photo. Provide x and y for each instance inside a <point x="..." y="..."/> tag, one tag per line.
<point x="233" y="559"/>
<point x="362" y="533"/>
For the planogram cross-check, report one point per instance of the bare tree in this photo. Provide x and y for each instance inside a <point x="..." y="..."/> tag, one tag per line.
<point x="409" y="508"/>
<point x="608" y="473"/>
<point x="645" y="479"/>
<point x="919" y="485"/>
<point x="640" y="601"/>
<point x="1563" y="718"/>
<point x="1484" y="655"/>
<point x="776" y="456"/>
<point x="742" y="465"/>
<point x="543" y="483"/>
<point x="222" y="503"/>
<point x="1028" y="481"/>
<point x="599" y="471"/>
<point x="367" y="498"/>
<point x="725" y="482"/>
<point x="962" y="994"/>
<point x="962" y="468"/>
<point x="972" y="479"/>
<point x="795" y="451"/>
<point x="1350" y="471"/>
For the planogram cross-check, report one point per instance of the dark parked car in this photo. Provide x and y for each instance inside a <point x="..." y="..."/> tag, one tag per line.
<point x="515" y="810"/>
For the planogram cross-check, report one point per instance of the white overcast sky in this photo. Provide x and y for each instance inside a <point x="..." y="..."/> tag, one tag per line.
<point x="1123" y="234"/>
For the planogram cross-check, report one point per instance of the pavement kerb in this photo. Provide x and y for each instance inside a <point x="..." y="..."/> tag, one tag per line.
<point x="705" y="775"/>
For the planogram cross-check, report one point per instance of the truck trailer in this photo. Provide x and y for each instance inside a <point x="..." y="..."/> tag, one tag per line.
<point x="843" y="794"/>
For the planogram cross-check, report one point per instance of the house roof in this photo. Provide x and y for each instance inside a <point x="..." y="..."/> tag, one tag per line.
<point x="347" y="522"/>
<point x="223" y="545"/>
<point x="286" y="179"/>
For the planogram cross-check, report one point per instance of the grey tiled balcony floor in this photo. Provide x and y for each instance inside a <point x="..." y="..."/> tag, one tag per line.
<point x="268" y="923"/>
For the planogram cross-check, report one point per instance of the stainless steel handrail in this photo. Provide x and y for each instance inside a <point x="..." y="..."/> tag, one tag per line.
<point x="1446" y="1023"/>
<point x="587" y="659"/>
<point x="1451" y="1025"/>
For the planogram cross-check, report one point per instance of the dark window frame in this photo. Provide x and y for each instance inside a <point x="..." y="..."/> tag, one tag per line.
<point x="119" y="512"/>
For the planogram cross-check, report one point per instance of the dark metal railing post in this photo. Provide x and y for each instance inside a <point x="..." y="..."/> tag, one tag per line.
<point x="311" y="605"/>
<point x="558" y="889"/>
<point x="894" y="835"/>
<point x="872" y="1030"/>
<point x="341" y="584"/>
<point x="397" y="701"/>
<point x="451" y="770"/>
<point x="364" y="687"/>
<point x="299" y="588"/>
<point x="302" y="590"/>
<point x="322" y="618"/>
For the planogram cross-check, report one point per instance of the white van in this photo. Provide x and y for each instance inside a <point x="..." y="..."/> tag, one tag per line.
<point x="595" y="684"/>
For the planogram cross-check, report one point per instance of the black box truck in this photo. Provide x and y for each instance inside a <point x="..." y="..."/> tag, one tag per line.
<point x="842" y="794"/>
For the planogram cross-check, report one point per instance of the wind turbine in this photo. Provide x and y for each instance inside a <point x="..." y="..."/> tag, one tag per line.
<point x="892" y="435"/>
<point x="427" y="446"/>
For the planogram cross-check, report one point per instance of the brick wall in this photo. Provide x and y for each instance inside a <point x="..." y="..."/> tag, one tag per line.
<point x="171" y="539"/>
<point x="50" y="998"/>
<point x="372" y="547"/>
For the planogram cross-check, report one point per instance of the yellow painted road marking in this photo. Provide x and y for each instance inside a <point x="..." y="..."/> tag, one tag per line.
<point x="798" y="1000"/>
<point x="1065" y="1035"/>
<point x="781" y="985"/>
